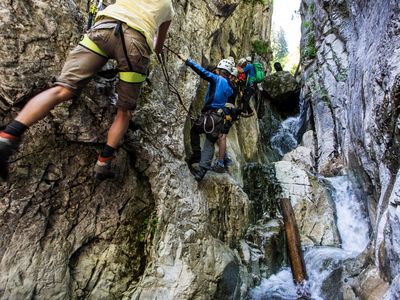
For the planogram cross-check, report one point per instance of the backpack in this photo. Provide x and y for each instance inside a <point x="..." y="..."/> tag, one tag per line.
<point x="259" y="71"/>
<point x="241" y="75"/>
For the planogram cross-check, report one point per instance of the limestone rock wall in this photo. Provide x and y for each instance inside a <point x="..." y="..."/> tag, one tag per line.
<point x="351" y="67"/>
<point x="152" y="232"/>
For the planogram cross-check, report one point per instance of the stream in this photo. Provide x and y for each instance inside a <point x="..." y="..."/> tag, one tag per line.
<point x="321" y="262"/>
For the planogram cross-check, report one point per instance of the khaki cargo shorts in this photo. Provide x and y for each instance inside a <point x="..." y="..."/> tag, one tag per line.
<point x="82" y="63"/>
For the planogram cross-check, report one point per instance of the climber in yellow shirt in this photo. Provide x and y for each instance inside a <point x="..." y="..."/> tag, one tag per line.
<point x="124" y="31"/>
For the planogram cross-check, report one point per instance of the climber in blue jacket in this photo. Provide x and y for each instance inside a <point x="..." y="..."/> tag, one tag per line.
<point x="211" y="119"/>
<point x="250" y="88"/>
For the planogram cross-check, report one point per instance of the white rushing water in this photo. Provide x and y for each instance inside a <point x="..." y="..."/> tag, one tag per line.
<point x="284" y="140"/>
<point x="321" y="261"/>
<point x="352" y="221"/>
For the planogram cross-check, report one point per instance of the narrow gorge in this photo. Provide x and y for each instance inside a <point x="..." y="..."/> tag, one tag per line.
<point x="153" y="232"/>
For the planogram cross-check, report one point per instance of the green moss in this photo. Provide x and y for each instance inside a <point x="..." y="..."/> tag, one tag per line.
<point x="309" y="53"/>
<point x="312" y="8"/>
<point x="148" y="228"/>
<point x="310" y="38"/>
<point x="260" y="47"/>
<point x="310" y="50"/>
<point x="263" y="189"/>
<point x="307" y="25"/>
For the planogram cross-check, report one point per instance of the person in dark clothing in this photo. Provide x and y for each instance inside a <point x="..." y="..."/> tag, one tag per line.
<point x="211" y="120"/>
<point x="278" y="67"/>
<point x="250" y="88"/>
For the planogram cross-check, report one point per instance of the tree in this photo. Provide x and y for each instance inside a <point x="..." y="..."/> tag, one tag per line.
<point x="280" y="47"/>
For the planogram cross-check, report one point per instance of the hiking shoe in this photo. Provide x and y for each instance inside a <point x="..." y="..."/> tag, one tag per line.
<point x="194" y="158"/>
<point x="8" y="145"/>
<point x="200" y="173"/>
<point x="227" y="160"/>
<point x="102" y="169"/>
<point x="218" y="167"/>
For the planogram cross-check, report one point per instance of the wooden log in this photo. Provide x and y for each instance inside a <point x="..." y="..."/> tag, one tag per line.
<point x="293" y="243"/>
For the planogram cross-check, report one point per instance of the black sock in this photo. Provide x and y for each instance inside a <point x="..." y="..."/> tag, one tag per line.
<point x="107" y="151"/>
<point x="16" y="128"/>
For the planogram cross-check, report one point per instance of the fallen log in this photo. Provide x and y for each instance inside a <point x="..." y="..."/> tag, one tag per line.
<point x="293" y="243"/>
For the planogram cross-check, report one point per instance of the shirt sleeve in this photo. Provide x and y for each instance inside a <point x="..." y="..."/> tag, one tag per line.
<point x="206" y="75"/>
<point x="246" y="69"/>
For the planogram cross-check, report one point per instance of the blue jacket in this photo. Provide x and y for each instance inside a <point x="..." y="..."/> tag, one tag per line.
<point x="219" y="89"/>
<point x="250" y="73"/>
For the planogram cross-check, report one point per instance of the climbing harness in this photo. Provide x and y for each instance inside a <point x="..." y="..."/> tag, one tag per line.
<point x="90" y="45"/>
<point x="205" y="124"/>
<point x="211" y="120"/>
<point x="131" y="76"/>
<point x="171" y="88"/>
<point x="93" y="6"/>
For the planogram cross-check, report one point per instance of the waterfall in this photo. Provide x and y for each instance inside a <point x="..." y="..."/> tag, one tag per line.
<point x="321" y="262"/>
<point x="352" y="220"/>
<point x="285" y="139"/>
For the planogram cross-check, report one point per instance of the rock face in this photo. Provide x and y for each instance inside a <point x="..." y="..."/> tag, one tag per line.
<point x="283" y="90"/>
<point x="351" y="68"/>
<point x="313" y="208"/>
<point x="153" y="232"/>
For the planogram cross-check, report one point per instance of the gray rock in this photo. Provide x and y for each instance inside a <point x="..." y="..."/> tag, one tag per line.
<point x="152" y="231"/>
<point x="350" y="73"/>
<point x="283" y="90"/>
<point x="313" y="208"/>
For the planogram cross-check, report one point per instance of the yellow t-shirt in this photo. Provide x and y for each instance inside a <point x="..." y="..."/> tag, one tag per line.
<point x="145" y="15"/>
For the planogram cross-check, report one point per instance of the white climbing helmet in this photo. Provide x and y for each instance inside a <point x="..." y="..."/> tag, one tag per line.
<point x="225" y="65"/>
<point x="232" y="60"/>
<point x="241" y="61"/>
<point x="248" y="58"/>
<point x="234" y="72"/>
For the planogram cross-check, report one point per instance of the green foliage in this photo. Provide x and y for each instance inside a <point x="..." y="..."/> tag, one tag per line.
<point x="312" y="8"/>
<point x="280" y="46"/>
<point x="307" y="25"/>
<point x="321" y="93"/>
<point x="149" y="227"/>
<point x="260" y="47"/>
<point x="310" y="50"/>
<point x="310" y="39"/>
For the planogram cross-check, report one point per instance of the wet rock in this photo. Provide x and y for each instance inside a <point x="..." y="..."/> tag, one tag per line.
<point x="307" y="140"/>
<point x="350" y="74"/>
<point x="262" y="187"/>
<point x="391" y="255"/>
<point x="301" y="156"/>
<point x="312" y="205"/>
<point x="283" y="91"/>
<point x="270" y="239"/>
